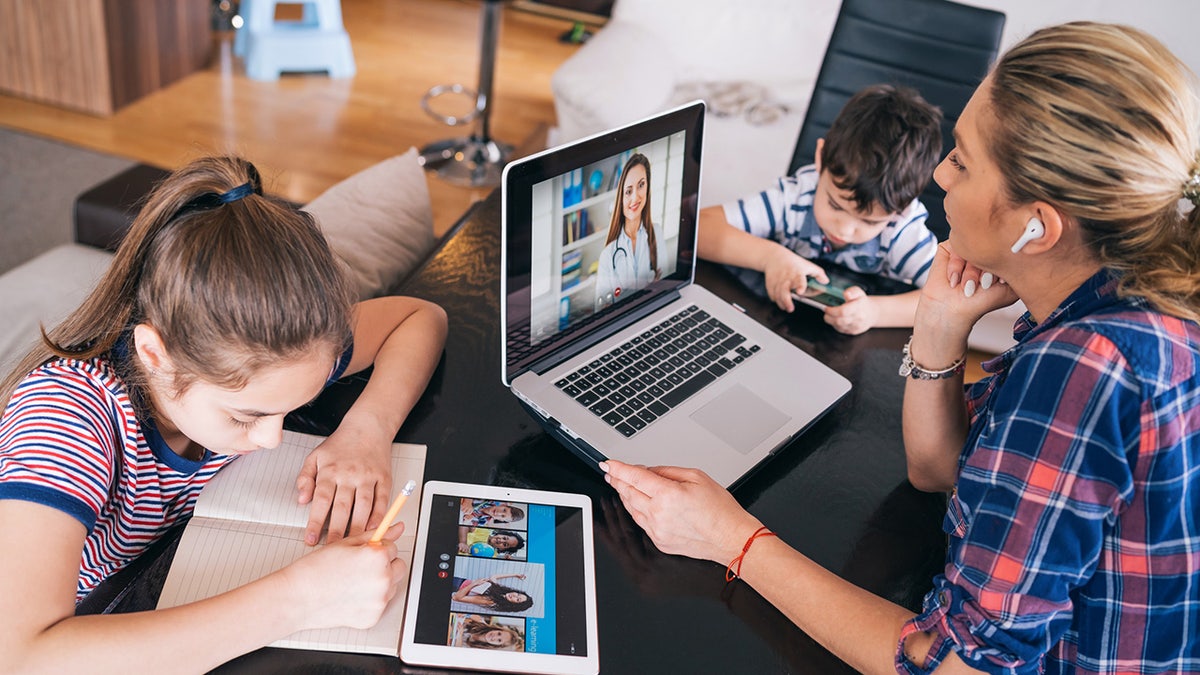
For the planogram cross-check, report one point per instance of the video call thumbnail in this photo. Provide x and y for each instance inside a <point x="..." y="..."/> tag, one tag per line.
<point x="604" y="232"/>
<point x="509" y="576"/>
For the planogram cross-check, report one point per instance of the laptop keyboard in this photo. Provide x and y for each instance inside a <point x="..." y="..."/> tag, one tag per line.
<point x="641" y="380"/>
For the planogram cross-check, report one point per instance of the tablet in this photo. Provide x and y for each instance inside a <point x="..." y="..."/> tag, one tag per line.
<point x="503" y="579"/>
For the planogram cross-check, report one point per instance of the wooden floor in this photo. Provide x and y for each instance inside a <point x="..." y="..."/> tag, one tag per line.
<point x="307" y="132"/>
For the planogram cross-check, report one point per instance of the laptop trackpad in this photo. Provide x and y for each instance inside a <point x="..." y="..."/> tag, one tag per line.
<point x="740" y="418"/>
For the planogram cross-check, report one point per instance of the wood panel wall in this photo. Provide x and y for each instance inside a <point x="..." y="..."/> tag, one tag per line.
<point x="98" y="55"/>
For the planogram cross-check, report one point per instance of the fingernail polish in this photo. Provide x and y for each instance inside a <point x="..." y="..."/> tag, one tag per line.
<point x="985" y="281"/>
<point x="954" y="279"/>
<point x="969" y="288"/>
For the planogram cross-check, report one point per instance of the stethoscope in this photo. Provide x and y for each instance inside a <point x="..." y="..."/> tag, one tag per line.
<point x="619" y="249"/>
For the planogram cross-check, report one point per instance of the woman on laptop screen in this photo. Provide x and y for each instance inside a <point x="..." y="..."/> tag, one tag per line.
<point x="630" y="257"/>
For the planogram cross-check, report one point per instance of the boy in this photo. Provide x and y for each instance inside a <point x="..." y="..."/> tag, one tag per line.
<point x="856" y="206"/>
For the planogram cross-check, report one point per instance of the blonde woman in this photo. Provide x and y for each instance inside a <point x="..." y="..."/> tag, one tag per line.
<point x="1074" y="468"/>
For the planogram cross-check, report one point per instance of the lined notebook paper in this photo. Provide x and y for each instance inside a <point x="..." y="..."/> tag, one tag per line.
<point x="247" y="524"/>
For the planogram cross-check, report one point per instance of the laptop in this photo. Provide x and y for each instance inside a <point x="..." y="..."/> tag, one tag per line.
<point x="609" y="342"/>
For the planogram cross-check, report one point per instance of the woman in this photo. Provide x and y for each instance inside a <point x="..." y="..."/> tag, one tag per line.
<point x="629" y="260"/>
<point x="1074" y="544"/>
<point x="491" y="595"/>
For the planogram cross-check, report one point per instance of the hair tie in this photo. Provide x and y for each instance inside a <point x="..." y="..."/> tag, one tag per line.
<point x="243" y="190"/>
<point x="1191" y="187"/>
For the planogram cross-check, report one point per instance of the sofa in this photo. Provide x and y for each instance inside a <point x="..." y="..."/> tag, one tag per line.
<point x="753" y="62"/>
<point x="379" y="222"/>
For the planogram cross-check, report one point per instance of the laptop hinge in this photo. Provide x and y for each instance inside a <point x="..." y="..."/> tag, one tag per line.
<point x="597" y="334"/>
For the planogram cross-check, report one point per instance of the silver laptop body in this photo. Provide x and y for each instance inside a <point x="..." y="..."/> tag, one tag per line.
<point x="652" y="370"/>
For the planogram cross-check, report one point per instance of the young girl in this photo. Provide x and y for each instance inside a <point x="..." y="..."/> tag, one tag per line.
<point x="489" y="633"/>
<point x="222" y="311"/>
<point x="487" y="511"/>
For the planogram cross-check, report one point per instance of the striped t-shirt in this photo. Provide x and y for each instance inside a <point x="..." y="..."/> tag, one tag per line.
<point x="904" y="250"/>
<point x="70" y="439"/>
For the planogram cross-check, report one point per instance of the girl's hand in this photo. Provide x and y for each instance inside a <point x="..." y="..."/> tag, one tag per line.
<point x="784" y="271"/>
<point x="348" y="479"/>
<point x="683" y="511"/>
<point x="348" y="583"/>
<point x="857" y="315"/>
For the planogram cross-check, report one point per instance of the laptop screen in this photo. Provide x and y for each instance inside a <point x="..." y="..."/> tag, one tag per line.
<point x="596" y="229"/>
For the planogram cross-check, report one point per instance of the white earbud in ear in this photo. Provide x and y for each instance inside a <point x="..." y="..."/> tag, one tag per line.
<point x="1034" y="229"/>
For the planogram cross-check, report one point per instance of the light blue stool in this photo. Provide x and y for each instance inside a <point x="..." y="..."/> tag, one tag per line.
<point x="316" y="42"/>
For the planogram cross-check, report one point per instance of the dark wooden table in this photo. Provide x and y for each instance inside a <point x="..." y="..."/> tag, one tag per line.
<point x="838" y="493"/>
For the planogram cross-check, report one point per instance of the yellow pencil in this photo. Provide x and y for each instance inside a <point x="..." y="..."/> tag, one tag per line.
<point x="393" y="511"/>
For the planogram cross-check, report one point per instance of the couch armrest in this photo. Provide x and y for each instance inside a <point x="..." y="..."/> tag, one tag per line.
<point x="104" y="212"/>
<point x="621" y="74"/>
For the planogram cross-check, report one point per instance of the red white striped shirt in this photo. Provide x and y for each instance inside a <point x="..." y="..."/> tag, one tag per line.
<point x="70" y="439"/>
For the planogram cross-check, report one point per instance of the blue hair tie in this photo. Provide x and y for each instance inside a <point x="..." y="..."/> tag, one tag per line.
<point x="236" y="193"/>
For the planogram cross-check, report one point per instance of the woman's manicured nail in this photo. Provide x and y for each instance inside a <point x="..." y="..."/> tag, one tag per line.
<point x="969" y="288"/>
<point x="954" y="279"/>
<point x="985" y="281"/>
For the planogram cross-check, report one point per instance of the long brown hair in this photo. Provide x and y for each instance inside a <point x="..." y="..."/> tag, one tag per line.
<point x="230" y="287"/>
<point x="618" y="217"/>
<point x="1103" y="122"/>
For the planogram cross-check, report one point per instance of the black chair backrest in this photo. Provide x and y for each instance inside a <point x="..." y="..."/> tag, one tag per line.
<point x="940" y="48"/>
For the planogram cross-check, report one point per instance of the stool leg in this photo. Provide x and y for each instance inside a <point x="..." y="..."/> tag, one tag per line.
<point x="476" y="160"/>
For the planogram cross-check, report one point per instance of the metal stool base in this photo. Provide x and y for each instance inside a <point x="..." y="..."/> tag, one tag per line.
<point x="470" y="161"/>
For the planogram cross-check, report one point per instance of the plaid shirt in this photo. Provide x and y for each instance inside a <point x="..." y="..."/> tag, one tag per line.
<point x="1074" y="529"/>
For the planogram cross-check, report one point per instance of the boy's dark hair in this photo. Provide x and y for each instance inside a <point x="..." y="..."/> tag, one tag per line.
<point x="883" y="146"/>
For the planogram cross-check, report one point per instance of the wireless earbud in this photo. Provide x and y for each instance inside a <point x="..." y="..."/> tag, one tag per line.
<point x="1034" y="229"/>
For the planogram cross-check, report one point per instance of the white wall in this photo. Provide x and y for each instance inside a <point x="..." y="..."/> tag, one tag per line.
<point x="1174" y="22"/>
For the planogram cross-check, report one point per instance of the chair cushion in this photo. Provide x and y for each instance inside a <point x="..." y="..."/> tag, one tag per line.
<point x="379" y="221"/>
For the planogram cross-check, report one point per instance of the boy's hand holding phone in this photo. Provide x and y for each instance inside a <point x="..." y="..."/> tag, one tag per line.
<point x="857" y="314"/>
<point x="784" y="272"/>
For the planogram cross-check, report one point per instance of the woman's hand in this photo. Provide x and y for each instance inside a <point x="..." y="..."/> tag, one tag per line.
<point x="954" y="298"/>
<point x="347" y="479"/>
<point x="348" y="583"/>
<point x="784" y="271"/>
<point x="683" y="511"/>
<point x="857" y="315"/>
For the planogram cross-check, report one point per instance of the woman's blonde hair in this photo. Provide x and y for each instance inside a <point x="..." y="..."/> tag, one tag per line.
<point x="230" y="286"/>
<point x="1103" y="122"/>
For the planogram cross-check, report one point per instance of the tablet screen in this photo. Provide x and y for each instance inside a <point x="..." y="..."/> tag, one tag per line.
<point x="501" y="575"/>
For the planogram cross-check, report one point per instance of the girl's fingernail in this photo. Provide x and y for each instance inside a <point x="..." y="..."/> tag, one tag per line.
<point x="985" y="281"/>
<point x="954" y="279"/>
<point x="969" y="288"/>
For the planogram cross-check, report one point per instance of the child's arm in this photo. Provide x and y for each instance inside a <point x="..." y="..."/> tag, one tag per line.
<point x="345" y="584"/>
<point x="348" y="477"/>
<point x="862" y="312"/>
<point x="784" y="271"/>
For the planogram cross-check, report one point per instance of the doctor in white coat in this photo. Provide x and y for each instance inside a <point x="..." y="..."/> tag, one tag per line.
<point x="630" y="259"/>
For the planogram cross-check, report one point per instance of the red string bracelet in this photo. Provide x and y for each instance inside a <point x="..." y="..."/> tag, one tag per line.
<point x="730" y="572"/>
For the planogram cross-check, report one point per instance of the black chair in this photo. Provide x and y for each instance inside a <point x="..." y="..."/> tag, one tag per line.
<point x="940" y="48"/>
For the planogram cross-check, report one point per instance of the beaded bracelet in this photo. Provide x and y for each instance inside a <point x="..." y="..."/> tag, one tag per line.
<point x="730" y="572"/>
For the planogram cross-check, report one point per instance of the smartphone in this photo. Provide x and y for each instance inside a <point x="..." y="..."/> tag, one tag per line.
<point x="819" y="295"/>
<point x="832" y="294"/>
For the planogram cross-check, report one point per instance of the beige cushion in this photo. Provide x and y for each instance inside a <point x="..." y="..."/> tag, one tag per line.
<point x="42" y="292"/>
<point x="379" y="221"/>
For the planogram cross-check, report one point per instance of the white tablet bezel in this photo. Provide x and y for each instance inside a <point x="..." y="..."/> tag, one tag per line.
<point x="420" y="654"/>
